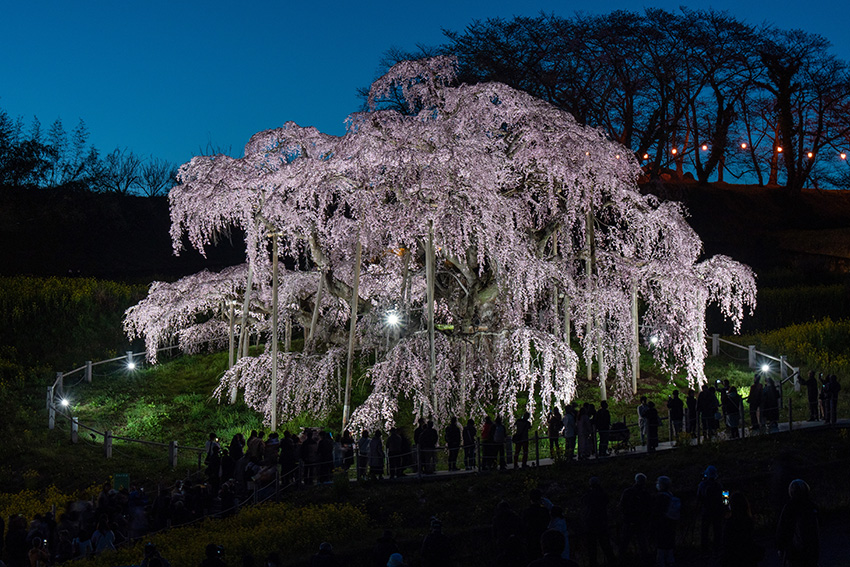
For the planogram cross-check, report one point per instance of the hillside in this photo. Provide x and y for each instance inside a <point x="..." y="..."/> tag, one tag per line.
<point x="61" y="232"/>
<point x="766" y="227"/>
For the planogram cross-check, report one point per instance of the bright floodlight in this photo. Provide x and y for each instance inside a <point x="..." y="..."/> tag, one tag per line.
<point x="653" y="340"/>
<point x="765" y="368"/>
<point x="393" y="319"/>
<point x="131" y="366"/>
<point x="65" y="403"/>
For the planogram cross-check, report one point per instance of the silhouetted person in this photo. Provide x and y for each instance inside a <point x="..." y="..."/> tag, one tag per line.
<point x="641" y="411"/>
<point x="739" y="549"/>
<point x="676" y="410"/>
<point x="691" y="405"/>
<point x="635" y="506"/>
<point x="569" y="432"/>
<point x="711" y="507"/>
<point x="363" y="453"/>
<point x="602" y="423"/>
<point x="812" y="392"/>
<point x="325" y="557"/>
<point x="663" y="520"/>
<point x="754" y="401"/>
<point x="551" y="544"/>
<point x="428" y="448"/>
<point x="798" y="533"/>
<point x="436" y="550"/>
<point x="653" y="421"/>
<point x="732" y="411"/>
<point x="325" y="454"/>
<point x="506" y="523"/>
<point x="384" y="547"/>
<point x="469" y="434"/>
<point x="500" y="436"/>
<point x="595" y="516"/>
<point x="520" y="439"/>
<point x="770" y="405"/>
<point x="535" y="520"/>
<point x="554" y="425"/>
<point x="833" y="389"/>
<point x="395" y="453"/>
<point x="453" y="441"/>
<point x="376" y="457"/>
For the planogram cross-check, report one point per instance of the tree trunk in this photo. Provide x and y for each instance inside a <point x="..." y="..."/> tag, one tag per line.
<point x="430" y="276"/>
<point x="589" y="275"/>
<point x="349" y="368"/>
<point x="635" y="339"/>
<point x="315" y="320"/>
<point x="274" y="332"/>
<point x="231" y="345"/>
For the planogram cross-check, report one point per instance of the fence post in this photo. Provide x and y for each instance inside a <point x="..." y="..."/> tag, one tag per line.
<point x="107" y="444"/>
<point x="130" y="363"/>
<point x="795" y="370"/>
<point x="715" y="344"/>
<point x="783" y="370"/>
<point x="751" y="356"/>
<point x="88" y="371"/>
<point x="172" y="454"/>
<point x="357" y="462"/>
<point x="537" y="447"/>
<point x="75" y="430"/>
<point x="60" y="379"/>
<point x="790" y="414"/>
<point x="697" y="429"/>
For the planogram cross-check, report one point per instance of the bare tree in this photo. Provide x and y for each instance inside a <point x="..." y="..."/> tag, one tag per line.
<point x="158" y="175"/>
<point x="121" y="172"/>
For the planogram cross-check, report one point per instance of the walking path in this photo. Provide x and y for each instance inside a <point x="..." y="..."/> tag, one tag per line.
<point x="664" y="446"/>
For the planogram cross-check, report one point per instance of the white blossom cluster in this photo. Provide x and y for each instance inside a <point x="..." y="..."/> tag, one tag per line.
<point x="539" y="234"/>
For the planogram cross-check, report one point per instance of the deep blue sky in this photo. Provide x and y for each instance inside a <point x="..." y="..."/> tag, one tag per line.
<point x="166" y="78"/>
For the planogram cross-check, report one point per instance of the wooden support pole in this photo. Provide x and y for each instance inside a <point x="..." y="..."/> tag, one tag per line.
<point x="349" y="369"/>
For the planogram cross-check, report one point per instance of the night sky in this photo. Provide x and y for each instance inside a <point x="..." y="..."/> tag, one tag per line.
<point x="169" y="79"/>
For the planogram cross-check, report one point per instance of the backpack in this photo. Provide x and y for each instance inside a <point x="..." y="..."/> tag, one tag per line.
<point x="674" y="509"/>
<point x="499" y="434"/>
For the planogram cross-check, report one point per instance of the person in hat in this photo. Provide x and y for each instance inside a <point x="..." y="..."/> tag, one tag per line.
<point x="711" y="507"/>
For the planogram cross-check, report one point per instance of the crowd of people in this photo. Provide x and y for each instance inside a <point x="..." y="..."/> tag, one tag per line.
<point x="312" y="456"/>
<point x="642" y="527"/>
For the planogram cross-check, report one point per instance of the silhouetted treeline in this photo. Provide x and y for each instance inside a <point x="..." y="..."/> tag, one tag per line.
<point x="691" y="92"/>
<point x="30" y="157"/>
